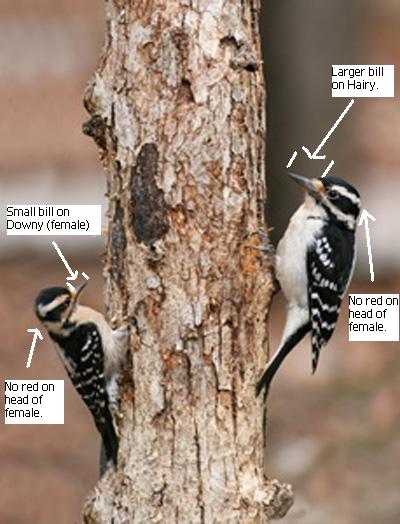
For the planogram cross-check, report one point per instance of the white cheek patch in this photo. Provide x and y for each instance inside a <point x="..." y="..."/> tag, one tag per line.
<point x="347" y="194"/>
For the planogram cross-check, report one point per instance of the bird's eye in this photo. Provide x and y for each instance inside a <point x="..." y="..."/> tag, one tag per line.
<point x="332" y="194"/>
<point x="67" y="302"/>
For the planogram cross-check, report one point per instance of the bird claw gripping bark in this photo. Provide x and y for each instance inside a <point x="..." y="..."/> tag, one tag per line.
<point x="121" y="334"/>
<point x="266" y="247"/>
<point x="268" y="250"/>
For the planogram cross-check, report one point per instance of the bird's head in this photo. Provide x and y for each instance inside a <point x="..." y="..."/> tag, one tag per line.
<point x="339" y="198"/>
<point x="55" y="307"/>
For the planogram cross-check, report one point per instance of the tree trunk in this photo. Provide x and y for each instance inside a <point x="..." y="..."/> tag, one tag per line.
<point x="177" y="110"/>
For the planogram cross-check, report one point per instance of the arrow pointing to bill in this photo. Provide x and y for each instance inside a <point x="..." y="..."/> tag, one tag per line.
<point x="314" y="155"/>
<point x="365" y="216"/>
<point x="73" y="275"/>
<point x="36" y="334"/>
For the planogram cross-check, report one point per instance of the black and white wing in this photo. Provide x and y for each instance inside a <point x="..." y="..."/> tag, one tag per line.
<point x="329" y="268"/>
<point x="88" y="376"/>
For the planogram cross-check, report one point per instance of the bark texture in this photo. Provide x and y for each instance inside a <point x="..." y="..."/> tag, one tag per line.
<point x="177" y="110"/>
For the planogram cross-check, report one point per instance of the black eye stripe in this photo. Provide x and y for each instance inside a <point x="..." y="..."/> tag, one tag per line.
<point x="55" y="313"/>
<point x="345" y="205"/>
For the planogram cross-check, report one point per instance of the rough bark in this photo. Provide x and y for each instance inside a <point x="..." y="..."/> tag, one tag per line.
<point x="177" y="110"/>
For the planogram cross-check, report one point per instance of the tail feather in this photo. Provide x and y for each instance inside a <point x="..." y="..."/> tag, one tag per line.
<point x="279" y="357"/>
<point x="110" y="442"/>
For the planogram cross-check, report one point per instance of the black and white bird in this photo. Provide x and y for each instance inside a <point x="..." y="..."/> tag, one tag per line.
<point x="314" y="263"/>
<point x="91" y="353"/>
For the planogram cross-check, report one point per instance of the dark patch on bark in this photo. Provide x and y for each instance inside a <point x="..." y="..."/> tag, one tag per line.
<point x="96" y="127"/>
<point x="251" y="67"/>
<point x="229" y="40"/>
<point x="185" y="92"/>
<point x="244" y="56"/>
<point x="148" y="210"/>
<point x="118" y="247"/>
<point x="182" y="42"/>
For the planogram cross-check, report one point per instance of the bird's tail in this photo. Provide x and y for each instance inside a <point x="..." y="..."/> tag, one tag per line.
<point x="279" y="357"/>
<point x="110" y="443"/>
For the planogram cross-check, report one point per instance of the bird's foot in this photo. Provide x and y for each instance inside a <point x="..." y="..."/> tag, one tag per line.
<point x="266" y="245"/>
<point x="121" y="334"/>
<point x="268" y="250"/>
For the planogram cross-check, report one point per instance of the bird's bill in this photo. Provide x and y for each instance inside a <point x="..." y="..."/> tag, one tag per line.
<point x="76" y="292"/>
<point x="313" y="186"/>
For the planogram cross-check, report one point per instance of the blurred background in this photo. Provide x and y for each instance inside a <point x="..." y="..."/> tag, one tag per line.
<point x="334" y="436"/>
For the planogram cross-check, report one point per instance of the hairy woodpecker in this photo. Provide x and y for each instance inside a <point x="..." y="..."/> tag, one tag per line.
<point x="91" y="353"/>
<point x="313" y="264"/>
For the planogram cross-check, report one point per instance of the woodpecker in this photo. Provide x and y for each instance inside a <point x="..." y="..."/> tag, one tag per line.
<point x="314" y="263"/>
<point x="91" y="353"/>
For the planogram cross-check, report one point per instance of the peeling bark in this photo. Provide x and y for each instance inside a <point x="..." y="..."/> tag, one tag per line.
<point x="177" y="110"/>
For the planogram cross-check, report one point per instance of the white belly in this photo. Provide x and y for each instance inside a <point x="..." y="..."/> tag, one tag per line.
<point x="292" y="249"/>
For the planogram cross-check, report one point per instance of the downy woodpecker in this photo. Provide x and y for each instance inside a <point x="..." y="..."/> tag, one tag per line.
<point x="313" y="264"/>
<point x="91" y="353"/>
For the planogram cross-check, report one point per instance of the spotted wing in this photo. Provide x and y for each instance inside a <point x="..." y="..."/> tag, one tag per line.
<point x="329" y="266"/>
<point x="86" y="370"/>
